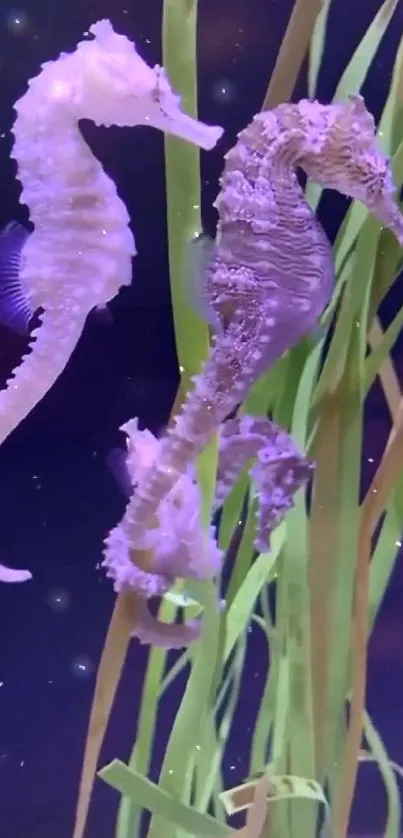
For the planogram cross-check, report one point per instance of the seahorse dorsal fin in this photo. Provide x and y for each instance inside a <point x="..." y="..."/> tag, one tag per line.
<point x="15" y="311"/>
<point x="102" y="29"/>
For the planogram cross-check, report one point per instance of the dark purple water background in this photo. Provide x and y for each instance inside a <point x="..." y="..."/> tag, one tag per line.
<point x="57" y="499"/>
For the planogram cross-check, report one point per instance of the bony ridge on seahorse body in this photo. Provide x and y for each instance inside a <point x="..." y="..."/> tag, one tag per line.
<point x="271" y="273"/>
<point x="80" y="252"/>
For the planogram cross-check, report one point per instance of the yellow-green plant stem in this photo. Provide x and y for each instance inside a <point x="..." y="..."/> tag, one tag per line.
<point x="192" y="340"/>
<point x="183" y="198"/>
<point x="182" y="178"/>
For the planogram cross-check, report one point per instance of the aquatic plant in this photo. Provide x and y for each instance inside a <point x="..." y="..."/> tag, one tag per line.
<point x="325" y="567"/>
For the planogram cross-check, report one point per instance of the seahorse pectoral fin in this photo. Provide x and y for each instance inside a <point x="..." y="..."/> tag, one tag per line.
<point x="116" y="462"/>
<point x="15" y="311"/>
<point x="198" y="255"/>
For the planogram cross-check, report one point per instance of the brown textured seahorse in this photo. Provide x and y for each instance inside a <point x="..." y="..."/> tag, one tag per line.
<point x="269" y="279"/>
<point x="80" y="252"/>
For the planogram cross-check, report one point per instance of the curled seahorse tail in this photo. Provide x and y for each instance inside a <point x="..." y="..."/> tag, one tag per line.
<point x="52" y="343"/>
<point x="154" y="632"/>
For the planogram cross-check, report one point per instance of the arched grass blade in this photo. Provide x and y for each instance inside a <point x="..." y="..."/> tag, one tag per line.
<point x="171" y="812"/>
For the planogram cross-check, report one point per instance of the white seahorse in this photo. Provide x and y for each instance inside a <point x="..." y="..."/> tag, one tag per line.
<point x="80" y="252"/>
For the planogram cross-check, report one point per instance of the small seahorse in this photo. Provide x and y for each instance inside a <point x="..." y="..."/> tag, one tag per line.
<point x="179" y="547"/>
<point x="80" y="252"/>
<point x="271" y="273"/>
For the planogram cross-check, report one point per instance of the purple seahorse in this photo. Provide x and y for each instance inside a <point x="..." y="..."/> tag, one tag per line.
<point x="270" y="277"/>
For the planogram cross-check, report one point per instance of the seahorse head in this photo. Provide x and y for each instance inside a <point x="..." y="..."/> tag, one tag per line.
<point x="342" y="153"/>
<point x="115" y="86"/>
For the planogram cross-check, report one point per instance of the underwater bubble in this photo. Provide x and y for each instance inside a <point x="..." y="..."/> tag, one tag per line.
<point x="36" y="480"/>
<point x="224" y="91"/>
<point x="58" y="599"/>
<point x="17" y="22"/>
<point x="82" y="667"/>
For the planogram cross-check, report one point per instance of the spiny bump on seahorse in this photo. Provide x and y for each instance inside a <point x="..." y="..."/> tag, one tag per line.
<point x="270" y="274"/>
<point x="80" y="252"/>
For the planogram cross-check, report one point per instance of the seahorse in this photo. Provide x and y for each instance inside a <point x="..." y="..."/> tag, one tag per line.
<point x="179" y="547"/>
<point x="80" y="252"/>
<point x="268" y="281"/>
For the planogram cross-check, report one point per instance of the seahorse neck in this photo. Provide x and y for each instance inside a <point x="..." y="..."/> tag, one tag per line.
<point x="82" y="246"/>
<point x="53" y="161"/>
